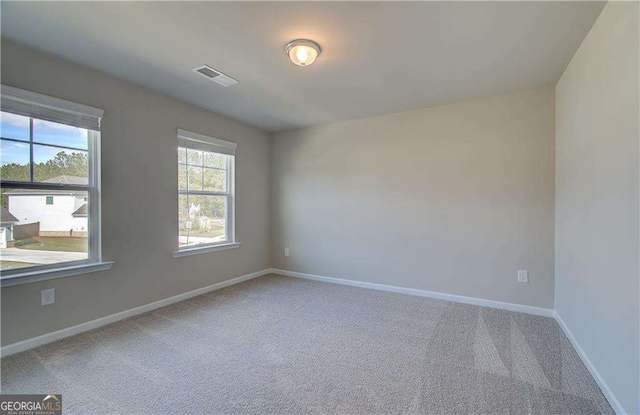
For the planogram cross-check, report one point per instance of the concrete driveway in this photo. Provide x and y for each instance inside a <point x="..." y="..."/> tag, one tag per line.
<point x="40" y="257"/>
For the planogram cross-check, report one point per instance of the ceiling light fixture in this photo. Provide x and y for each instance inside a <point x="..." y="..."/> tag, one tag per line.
<point x="302" y="52"/>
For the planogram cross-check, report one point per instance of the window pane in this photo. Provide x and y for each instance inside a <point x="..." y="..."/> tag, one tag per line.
<point x="215" y="180"/>
<point x="215" y="160"/>
<point x="14" y="126"/>
<point x="194" y="157"/>
<point x="182" y="155"/>
<point x="15" y="161"/>
<point x="43" y="227"/>
<point x="54" y="165"/>
<point x="195" y="178"/>
<point x="47" y="132"/>
<point x="182" y="176"/>
<point x="202" y="219"/>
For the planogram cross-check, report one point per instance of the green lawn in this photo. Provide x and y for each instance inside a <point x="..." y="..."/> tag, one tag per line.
<point x="51" y="243"/>
<point x="216" y="230"/>
<point x="14" y="264"/>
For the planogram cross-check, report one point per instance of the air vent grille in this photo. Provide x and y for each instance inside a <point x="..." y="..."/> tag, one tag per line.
<point x="208" y="72"/>
<point x="215" y="76"/>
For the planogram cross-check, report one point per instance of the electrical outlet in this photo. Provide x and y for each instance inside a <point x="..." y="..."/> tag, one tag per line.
<point x="48" y="296"/>
<point x="523" y="275"/>
<point x="286" y="251"/>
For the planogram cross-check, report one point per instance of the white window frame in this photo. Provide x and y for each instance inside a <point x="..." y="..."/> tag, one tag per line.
<point x="70" y="110"/>
<point x="214" y="145"/>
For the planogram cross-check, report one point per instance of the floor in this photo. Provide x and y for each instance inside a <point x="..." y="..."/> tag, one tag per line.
<point x="280" y="345"/>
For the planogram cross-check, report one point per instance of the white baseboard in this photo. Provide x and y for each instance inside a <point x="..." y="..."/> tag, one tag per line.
<point x="90" y="325"/>
<point x="606" y="391"/>
<point x="539" y="311"/>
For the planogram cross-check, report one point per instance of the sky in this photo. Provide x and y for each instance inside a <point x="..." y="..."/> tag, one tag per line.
<point x="45" y="132"/>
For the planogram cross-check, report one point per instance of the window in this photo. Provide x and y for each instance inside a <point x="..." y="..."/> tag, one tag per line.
<point x="50" y="149"/>
<point x="205" y="192"/>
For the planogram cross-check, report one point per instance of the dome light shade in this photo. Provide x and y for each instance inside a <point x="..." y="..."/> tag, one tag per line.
<point x="302" y="52"/>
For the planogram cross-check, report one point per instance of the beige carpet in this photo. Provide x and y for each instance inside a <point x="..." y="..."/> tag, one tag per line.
<point x="279" y="345"/>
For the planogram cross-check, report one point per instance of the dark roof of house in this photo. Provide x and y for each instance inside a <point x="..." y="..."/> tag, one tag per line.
<point x="82" y="211"/>
<point x="68" y="180"/>
<point x="75" y="180"/>
<point x="7" y="216"/>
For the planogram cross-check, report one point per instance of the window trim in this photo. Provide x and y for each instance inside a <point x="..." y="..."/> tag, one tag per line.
<point x="69" y="270"/>
<point x="217" y="146"/>
<point x="205" y="248"/>
<point x="223" y="146"/>
<point x="20" y="101"/>
<point x="93" y="188"/>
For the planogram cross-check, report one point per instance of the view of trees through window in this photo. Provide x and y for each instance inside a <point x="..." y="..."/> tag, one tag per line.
<point x="203" y="196"/>
<point x="51" y="216"/>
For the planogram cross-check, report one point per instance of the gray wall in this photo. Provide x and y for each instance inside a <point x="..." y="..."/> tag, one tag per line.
<point x="139" y="200"/>
<point x="597" y="186"/>
<point x="452" y="199"/>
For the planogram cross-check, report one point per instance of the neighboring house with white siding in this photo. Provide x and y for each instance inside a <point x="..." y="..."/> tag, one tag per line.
<point x="59" y="212"/>
<point x="6" y="228"/>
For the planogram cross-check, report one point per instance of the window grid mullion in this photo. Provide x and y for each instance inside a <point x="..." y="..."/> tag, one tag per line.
<point x="31" y="163"/>
<point x="186" y="172"/>
<point x="200" y="165"/>
<point x="16" y="140"/>
<point x="43" y="186"/>
<point x="61" y="147"/>
<point x="228" y="203"/>
<point x="202" y="193"/>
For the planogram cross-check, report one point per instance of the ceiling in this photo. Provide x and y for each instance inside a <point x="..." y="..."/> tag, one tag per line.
<point x="377" y="57"/>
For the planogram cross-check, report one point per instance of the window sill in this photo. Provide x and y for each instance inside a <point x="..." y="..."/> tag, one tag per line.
<point x="28" y="277"/>
<point x="204" y="249"/>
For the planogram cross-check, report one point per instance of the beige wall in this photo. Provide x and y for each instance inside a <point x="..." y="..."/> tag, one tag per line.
<point x="453" y="199"/>
<point x="597" y="186"/>
<point x="139" y="202"/>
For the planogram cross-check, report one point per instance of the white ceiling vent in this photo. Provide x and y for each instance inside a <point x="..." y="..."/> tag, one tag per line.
<point x="215" y="76"/>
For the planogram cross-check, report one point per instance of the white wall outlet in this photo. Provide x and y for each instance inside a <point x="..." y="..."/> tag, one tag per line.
<point x="48" y="296"/>
<point x="523" y="275"/>
<point x="286" y="251"/>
